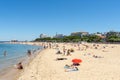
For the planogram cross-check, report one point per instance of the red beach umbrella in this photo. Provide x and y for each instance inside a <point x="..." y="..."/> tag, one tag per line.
<point x="76" y="60"/>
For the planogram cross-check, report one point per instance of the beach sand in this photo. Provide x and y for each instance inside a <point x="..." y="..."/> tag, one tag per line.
<point x="45" y="67"/>
<point x="10" y="74"/>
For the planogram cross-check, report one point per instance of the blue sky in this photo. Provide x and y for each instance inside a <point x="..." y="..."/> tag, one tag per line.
<point x="27" y="19"/>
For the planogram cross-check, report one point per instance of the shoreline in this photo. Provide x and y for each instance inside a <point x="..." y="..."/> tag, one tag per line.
<point x="43" y="66"/>
<point x="13" y="71"/>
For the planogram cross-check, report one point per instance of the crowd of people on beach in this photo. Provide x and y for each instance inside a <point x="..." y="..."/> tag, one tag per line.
<point x="80" y="47"/>
<point x="60" y="56"/>
<point x="64" y="51"/>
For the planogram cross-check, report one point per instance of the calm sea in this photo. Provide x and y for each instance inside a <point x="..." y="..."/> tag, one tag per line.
<point x="14" y="53"/>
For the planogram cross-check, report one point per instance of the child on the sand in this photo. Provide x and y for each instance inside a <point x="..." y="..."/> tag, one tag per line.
<point x="68" y="52"/>
<point x="19" y="65"/>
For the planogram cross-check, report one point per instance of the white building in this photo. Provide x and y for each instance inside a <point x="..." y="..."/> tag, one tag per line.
<point x="79" y="33"/>
<point x="58" y="36"/>
<point x="43" y="36"/>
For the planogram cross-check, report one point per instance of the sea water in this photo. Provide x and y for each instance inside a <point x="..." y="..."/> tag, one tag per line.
<point x="14" y="53"/>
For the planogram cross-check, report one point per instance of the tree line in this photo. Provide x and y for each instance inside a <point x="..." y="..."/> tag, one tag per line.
<point x="109" y="37"/>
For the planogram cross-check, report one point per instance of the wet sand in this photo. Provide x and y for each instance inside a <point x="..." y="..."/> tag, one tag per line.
<point x="10" y="74"/>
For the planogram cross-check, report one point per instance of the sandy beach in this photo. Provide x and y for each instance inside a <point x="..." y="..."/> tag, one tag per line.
<point x="59" y="39"/>
<point x="103" y="67"/>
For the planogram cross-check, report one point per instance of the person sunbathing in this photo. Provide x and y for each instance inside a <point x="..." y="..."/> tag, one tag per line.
<point x="97" y="56"/>
<point x="76" y="64"/>
<point x="66" y="66"/>
<point x="70" y="68"/>
<point x="61" y="58"/>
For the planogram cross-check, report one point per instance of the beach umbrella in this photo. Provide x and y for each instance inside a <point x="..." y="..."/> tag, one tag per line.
<point x="76" y="60"/>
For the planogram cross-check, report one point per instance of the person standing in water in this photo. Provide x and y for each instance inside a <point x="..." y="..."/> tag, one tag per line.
<point x="29" y="53"/>
<point x="5" y="53"/>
